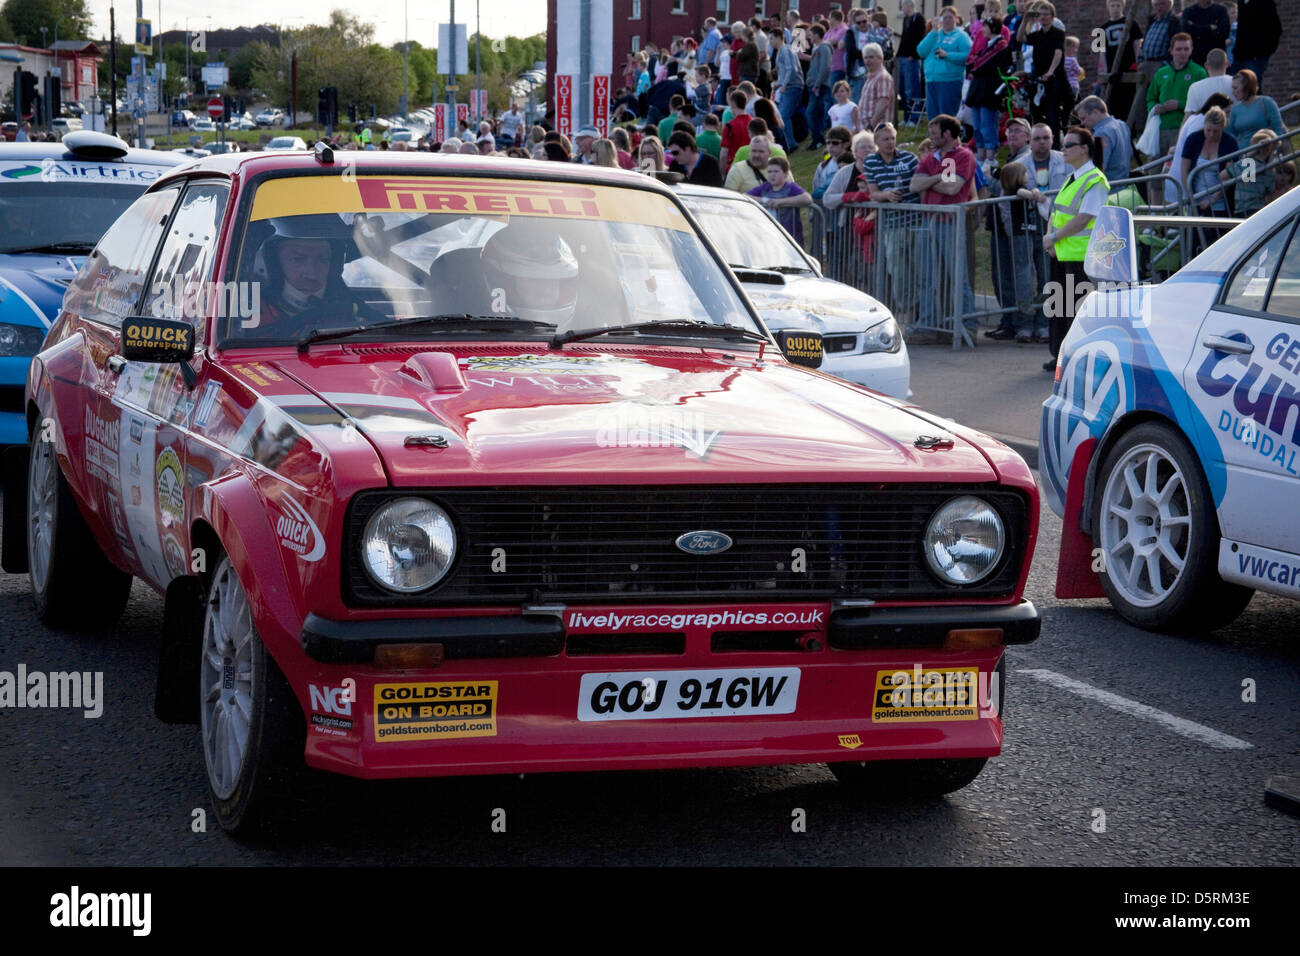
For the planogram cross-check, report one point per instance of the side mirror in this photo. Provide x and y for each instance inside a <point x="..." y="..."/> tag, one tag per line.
<point x="146" y="339"/>
<point x="1112" y="249"/>
<point x="801" y="347"/>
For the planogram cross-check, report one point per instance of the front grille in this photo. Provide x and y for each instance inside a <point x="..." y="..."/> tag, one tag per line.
<point x="839" y="343"/>
<point x="616" y="544"/>
<point x="11" y="398"/>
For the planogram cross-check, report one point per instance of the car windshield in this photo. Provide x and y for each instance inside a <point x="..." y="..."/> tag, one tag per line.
<point x="282" y="142"/>
<point x="36" y="215"/>
<point x="516" y="257"/>
<point x="745" y="235"/>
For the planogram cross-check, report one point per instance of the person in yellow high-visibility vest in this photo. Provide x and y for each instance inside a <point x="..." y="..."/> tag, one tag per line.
<point x="1066" y="241"/>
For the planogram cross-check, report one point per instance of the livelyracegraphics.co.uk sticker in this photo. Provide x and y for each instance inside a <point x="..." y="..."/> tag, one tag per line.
<point x="435" y="711"/>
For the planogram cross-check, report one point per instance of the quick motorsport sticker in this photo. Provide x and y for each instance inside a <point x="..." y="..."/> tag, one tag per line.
<point x="435" y="711"/>
<point x="945" y="693"/>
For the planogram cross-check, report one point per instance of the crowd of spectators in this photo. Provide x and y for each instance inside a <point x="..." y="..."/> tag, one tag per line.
<point x="1003" y="95"/>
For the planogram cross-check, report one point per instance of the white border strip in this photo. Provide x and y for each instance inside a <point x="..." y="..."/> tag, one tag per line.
<point x="1179" y="725"/>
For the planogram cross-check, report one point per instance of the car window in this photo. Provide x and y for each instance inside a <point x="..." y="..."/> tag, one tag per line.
<point x="109" y="285"/>
<point x="336" y="254"/>
<point x="1284" y="299"/>
<point x="1249" y="286"/>
<point x="745" y="234"/>
<point x="180" y="288"/>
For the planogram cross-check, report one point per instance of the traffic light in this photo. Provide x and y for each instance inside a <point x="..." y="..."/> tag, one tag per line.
<point x="352" y="113"/>
<point x="227" y="107"/>
<point x="27" y="85"/>
<point x="56" y="96"/>
<point x="372" y="111"/>
<point x="327" y="106"/>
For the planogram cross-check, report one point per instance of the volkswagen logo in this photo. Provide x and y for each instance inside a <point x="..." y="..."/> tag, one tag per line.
<point x="704" y="542"/>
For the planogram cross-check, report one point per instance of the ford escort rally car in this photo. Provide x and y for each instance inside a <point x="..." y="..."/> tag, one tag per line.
<point x="1169" y="442"/>
<point x="467" y="466"/>
<point x="56" y="200"/>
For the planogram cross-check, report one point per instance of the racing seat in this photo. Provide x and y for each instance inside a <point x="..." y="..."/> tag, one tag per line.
<point x="456" y="284"/>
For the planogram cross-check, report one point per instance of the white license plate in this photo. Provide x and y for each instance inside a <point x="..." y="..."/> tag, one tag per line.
<point x="656" y="695"/>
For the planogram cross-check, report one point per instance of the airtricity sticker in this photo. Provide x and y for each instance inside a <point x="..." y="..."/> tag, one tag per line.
<point x="297" y="531"/>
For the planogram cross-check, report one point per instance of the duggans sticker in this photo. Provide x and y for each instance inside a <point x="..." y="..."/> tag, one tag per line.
<point x="435" y="711"/>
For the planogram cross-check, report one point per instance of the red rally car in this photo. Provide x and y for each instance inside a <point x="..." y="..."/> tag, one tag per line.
<point x="476" y="466"/>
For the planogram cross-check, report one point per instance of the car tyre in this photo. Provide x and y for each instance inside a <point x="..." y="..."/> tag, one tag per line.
<point x="1158" y="535"/>
<point x="914" y="779"/>
<point x="73" y="584"/>
<point x="252" y="728"/>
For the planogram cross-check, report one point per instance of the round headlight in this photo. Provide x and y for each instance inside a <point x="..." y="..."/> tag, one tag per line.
<point x="964" y="540"/>
<point x="408" y="545"/>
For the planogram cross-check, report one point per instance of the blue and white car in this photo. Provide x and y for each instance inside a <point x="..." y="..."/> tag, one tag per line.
<point x="861" y="340"/>
<point x="56" y="200"/>
<point x="1169" y="445"/>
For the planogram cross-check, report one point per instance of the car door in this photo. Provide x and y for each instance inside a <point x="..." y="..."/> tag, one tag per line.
<point x="104" y="439"/>
<point x="155" y="398"/>
<point x="1244" y="377"/>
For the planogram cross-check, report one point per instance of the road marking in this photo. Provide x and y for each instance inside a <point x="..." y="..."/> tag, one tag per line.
<point x="1179" y="725"/>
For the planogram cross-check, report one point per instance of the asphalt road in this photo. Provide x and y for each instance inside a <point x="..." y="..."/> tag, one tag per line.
<point x="121" y="789"/>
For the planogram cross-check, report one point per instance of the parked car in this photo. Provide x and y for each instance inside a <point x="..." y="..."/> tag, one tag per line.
<point x="62" y="125"/>
<point x="402" y="140"/>
<point x="203" y="124"/>
<point x="285" y="143"/>
<point x="196" y="152"/>
<point x="182" y="118"/>
<point x="270" y="117"/>
<point x="862" y="341"/>
<point x="1169" y="444"/>
<point x="9" y="131"/>
<point x="56" y="200"/>
<point x="500" y="468"/>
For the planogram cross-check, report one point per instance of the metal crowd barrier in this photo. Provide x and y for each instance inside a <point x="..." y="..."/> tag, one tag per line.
<point x="951" y="270"/>
<point x="943" y="270"/>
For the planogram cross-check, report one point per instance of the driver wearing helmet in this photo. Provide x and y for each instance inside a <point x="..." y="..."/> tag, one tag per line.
<point x="302" y="261"/>
<point x="531" y="273"/>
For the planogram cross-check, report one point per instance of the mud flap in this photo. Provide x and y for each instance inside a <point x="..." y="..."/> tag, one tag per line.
<point x="176" y="699"/>
<point x="1075" y="577"/>
<point x="13" y="539"/>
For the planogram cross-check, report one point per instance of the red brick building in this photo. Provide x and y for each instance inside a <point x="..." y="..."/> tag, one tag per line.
<point x="637" y="22"/>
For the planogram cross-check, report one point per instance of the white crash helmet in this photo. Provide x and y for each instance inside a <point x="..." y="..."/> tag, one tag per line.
<point x="535" y="269"/>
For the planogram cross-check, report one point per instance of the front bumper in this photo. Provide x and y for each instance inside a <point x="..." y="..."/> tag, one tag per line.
<point x="886" y="372"/>
<point x="13" y="382"/>
<point x="525" y="678"/>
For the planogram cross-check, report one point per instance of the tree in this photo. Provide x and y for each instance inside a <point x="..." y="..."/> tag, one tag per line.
<point x="26" y="17"/>
<point x="6" y="31"/>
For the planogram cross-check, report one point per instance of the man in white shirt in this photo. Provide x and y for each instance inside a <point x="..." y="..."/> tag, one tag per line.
<point x="512" y="122"/>
<point x="1216" y="64"/>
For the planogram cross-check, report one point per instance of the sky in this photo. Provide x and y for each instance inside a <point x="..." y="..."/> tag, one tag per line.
<point x="499" y="18"/>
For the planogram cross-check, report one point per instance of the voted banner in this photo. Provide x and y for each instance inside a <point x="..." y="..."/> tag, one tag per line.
<point x="564" y="103"/>
<point x="440" y="122"/>
<point x="462" y="113"/>
<point x="600" y="103"/>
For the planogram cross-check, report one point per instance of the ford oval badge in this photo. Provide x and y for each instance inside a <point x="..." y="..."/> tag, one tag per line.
<point x="704" y="542"/>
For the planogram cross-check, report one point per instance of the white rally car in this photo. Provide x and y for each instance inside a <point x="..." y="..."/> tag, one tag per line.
<point x="861" y="341"/>
<point x="1169" y="443"/>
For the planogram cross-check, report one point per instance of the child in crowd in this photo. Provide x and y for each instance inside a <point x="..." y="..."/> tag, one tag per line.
<point x="844" y="112"/>
<point x="783" y="196"/>
<point x="1254" y="183"/>
<point x="1073" y="71"/>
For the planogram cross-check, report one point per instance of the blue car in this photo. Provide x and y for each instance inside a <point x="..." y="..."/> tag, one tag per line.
<point x="56" y="200"/>
<point x="1170" y="444"/>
